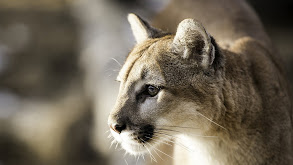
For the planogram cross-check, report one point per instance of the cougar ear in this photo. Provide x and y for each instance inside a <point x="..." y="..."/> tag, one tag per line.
<point x="193" y="42"/>
<point x="141" y="29"/>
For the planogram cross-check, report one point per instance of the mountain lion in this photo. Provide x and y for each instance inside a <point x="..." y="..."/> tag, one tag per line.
<point x="216" y="92"/>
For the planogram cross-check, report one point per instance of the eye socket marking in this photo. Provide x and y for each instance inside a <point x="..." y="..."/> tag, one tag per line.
<point x="148" y="91"/>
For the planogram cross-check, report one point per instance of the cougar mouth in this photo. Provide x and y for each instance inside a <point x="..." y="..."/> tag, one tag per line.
<point x="137" y="141"/>
<point x="145" y="134"/>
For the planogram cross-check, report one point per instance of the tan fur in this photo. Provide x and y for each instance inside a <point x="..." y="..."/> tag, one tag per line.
<point x="233" y="109"/>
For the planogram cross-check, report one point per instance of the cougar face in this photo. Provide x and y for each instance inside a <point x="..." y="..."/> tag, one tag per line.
<point x="163" y="83"/>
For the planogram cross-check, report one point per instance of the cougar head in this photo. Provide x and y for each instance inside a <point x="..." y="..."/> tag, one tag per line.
<point x="169" y="84"/>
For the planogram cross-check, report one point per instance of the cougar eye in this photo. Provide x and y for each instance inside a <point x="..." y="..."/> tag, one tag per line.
<point x="148" y="91"/>
<point x="152" y="90"/>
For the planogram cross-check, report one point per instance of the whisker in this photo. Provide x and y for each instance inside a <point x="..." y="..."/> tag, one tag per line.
<point x="110" y="136"/>
<point x="116" y="146"/>
<point x="177" y="126"/>
<point x="211" y="120"/>
<point x="189" y="133"/>
<point x="168" y="130"/>
<point x="164" y="153"/>
<point x="137" y="159"/>
<point x="155" y="150"/>
<point x="163" y="133"/>
<point x="112" y="143"/>
<point x="157" y="140"/>
<point x="125" y="154"/>
<point x="151" y="155"/>
<point x="177" y="142"/>
<point x="117" y="62"/>
<point x="125" y="161"/>
<point x="111" y="71"/>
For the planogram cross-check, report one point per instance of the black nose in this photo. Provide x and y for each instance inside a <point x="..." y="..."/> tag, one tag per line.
<point x="118" y="128"/>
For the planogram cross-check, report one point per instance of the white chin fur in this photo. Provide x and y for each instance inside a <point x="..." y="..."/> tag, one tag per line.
<point x="134" y="149"/>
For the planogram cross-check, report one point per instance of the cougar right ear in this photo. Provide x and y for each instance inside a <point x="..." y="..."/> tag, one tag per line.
<point x="141" y="29"/>
<point x="193" y="42"/>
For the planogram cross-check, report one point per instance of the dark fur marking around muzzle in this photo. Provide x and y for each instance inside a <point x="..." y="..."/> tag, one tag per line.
<point x="145" y="133"/>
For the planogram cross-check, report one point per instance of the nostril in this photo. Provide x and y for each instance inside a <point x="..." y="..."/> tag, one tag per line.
<point x="118" y="128"/>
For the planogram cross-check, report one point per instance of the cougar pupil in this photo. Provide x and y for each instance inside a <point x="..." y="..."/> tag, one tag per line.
<point x="152" y="91"/>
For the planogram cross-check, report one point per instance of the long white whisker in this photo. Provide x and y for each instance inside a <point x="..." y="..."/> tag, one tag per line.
<point x="125" y="161"/>
<point x="113" y="141"/>
<point x="164" y="153"/>
<point x="117" y="62"/>
<point x="176" y="142"/>
<point x="137" y="159"/>
<point x="151" y="155"/>
<point x="189" y="133"/>
<point x="210" y="120"/>
<point x="109" y="136"/>
<point x="116" y="146"/>
<point x="171" y="126"/>
<point x="125" y="154"/>
<point x="160" y="141"/>
<point x="155" y="150"/>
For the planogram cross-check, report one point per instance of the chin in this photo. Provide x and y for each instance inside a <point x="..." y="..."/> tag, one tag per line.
<point x="135" y="149"/>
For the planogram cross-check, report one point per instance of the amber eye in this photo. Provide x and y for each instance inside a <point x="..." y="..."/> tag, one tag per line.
<point x="152" y="90"/>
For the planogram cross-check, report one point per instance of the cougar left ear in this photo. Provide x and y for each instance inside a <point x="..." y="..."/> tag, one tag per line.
<point x="141" y="29"/>
<point x="193" y="42"/>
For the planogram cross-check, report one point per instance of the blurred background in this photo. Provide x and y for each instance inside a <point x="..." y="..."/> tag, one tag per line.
<point x="58" y="63"/>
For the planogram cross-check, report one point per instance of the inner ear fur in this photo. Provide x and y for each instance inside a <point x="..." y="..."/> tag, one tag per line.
<point x="193" y="42"/>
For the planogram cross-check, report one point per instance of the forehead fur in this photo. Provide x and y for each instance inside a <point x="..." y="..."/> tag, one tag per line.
<point x="152" y="48"/>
